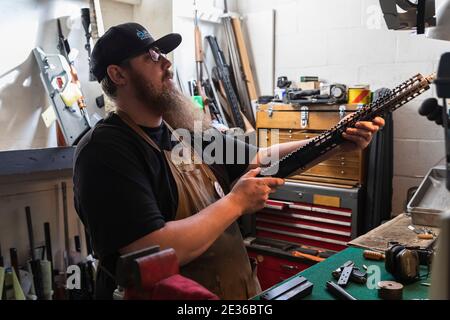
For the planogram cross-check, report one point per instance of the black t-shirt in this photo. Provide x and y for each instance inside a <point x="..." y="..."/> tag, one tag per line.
<point x="124" y="190"/>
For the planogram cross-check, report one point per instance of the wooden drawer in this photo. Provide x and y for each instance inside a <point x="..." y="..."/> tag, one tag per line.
<point x="341" y="167"/>
<point x="338" y="172"/>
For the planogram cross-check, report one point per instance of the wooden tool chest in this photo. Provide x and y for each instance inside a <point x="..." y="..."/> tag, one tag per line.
<point x="278" y="123"/>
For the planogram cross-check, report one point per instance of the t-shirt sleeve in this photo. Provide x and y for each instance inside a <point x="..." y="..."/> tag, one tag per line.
<point x="114" y="195"/>
<point x="235" y="153"/>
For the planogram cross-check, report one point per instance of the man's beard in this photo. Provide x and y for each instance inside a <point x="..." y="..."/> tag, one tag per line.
<point x="176" y="109"/>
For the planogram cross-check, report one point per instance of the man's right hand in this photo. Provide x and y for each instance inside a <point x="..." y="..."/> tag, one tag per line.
<point x="251" y="193"/>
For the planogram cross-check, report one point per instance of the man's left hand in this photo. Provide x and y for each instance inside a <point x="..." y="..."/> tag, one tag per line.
<point x="359" y="137"/>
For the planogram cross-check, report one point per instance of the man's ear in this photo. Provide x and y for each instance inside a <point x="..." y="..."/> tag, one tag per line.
<point x="117" y="75"/>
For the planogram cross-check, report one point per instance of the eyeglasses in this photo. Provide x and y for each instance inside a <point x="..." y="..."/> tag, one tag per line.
<point x="156" y="54"/>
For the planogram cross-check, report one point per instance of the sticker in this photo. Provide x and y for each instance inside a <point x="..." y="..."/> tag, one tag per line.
<point x="219" y="189"/>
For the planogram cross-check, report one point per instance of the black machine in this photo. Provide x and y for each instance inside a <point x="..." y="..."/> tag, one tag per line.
<point x="388" y="102"/>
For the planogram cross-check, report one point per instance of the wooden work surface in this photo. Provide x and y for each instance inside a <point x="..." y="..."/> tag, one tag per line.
<point x="393" y="230"/>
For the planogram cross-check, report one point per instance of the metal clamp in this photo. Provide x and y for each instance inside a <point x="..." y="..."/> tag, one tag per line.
<point x="304" y="117"/>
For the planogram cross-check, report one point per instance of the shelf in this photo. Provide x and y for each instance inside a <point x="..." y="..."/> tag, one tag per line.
<point x="48" y="162"/>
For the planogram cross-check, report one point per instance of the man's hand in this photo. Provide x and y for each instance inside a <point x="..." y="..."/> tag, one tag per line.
<point x="358" y="138"/>
<point x="251" y="193"/>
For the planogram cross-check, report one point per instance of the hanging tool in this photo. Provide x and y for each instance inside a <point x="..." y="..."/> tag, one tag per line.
<point x="199" y="62"/>
<point x="2" y="262"/>
<point x="238" y="70"/>
<point x="74" y="85"/>
<point x="14" y="261"/>
<point x="49" y="252"/>
<point x="86" y="22"/>
<point x="217" y="103"/>
<point x="225" y="77"/>
<point x="34" y="263"/>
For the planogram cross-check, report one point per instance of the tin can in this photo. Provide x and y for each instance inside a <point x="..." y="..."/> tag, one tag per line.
<point x="359" y="94"/>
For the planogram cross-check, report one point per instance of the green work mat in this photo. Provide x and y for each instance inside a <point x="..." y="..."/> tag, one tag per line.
<point x="320" y="273"/>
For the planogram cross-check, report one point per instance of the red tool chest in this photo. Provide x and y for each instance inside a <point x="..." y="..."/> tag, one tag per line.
<point x="324" y="217"/>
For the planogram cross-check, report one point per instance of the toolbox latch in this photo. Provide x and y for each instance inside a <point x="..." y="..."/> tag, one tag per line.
<point x="342" y="110"/>
<point x="270" y="112"/>
<point x="304" y="114"/>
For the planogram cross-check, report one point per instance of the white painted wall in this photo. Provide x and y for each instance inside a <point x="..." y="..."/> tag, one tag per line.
<point x="347" y="41"/>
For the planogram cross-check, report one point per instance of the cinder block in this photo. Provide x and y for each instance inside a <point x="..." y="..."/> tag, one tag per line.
<point x="391" y="75"/>
<point x="409" y="124"/>
<point x="286" y="18"/>
<point x="301" y="50"/>
<point x="360" y="46"/>
<point x="419" y="48"/>
<point x="413" y="158"/>
<point x="400" y="189"/>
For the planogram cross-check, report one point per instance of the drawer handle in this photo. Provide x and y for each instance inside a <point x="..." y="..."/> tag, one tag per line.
<point x="342" y="172"/>
<point x="289" y="267"/>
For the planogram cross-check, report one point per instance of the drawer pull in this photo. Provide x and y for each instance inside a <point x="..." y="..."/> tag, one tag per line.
<point x="342" y="172"/>
<point x="289" y="267"/>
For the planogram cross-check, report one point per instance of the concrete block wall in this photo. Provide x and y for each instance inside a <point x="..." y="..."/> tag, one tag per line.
<point x="347" y="41"/>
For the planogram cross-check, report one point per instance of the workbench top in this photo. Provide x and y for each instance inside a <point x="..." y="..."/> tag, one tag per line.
<point x="320" y="273"/>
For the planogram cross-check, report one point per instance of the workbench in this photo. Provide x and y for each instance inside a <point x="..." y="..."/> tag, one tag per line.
<point x="377" y="239"/>
<point x="320" y="273"/>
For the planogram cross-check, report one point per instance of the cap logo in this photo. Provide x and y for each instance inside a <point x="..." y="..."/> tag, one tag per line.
<point x="143" y="34"/>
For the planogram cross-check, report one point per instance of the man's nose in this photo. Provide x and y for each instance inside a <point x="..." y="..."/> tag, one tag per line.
<point x="165" y="62"/>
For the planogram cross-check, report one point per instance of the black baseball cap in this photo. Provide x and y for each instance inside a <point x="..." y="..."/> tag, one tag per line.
<point x="125" y="41"/>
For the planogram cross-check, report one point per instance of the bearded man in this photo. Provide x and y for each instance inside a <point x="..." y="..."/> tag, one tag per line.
<point x="131" y="194"/>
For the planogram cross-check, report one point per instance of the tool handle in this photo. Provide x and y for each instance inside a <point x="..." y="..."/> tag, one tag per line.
<point x="373" y="255"/>
<point x="30" y="232"/>
<point x="338" y="292"/>
<point x="1" y="257"/>
<point x="14" y="260"/>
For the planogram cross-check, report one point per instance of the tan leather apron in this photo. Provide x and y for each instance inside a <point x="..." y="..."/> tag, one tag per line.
<point x="224" y="268"/>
